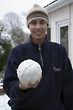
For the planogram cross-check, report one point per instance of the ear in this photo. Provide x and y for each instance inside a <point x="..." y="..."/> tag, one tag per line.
<point x="27" y="25"/>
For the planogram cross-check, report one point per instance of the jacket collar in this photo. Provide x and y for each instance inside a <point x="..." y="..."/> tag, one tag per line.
<point x="37" y="45"/>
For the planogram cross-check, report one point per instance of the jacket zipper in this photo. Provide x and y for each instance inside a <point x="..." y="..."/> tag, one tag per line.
<point x="40" y="55"/>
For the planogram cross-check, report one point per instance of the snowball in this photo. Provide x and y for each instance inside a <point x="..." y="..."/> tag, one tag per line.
<point x="29" y="71"/>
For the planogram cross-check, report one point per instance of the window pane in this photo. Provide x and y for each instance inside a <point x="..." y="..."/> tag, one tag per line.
<point x="49" y="33"/>
<point x="64" y="36"/>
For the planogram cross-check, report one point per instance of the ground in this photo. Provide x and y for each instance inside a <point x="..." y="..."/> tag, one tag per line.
<point x="3" y="102"/>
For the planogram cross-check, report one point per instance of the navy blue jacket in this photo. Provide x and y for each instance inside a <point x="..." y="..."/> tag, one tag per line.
<point x="54" y="92"/>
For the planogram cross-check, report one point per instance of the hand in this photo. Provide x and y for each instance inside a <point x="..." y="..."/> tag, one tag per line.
<point x="29" y="85"/>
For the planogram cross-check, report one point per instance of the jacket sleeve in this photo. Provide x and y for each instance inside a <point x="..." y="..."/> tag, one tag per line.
<point x="68" y="84"/>
<point x="11" y="82"/>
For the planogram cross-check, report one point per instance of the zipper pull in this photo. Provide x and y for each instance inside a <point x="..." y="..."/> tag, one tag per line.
<point x="39" y="47"/>
<point x="40" y="55"/>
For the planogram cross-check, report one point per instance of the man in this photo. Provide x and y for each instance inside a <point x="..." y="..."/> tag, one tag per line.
<point x="55" y="89"/>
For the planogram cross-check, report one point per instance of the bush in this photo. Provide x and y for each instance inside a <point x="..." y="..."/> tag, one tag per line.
<point x="3" y="56"/>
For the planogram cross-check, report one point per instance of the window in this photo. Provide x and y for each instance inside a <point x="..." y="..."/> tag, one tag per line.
<point x="49" y="33"/>
<point x="64" y="36"/>
<point x="62" y="33"/>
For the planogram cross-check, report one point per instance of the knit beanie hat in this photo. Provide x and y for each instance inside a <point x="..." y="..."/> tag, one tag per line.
<point x="37" y="12"/>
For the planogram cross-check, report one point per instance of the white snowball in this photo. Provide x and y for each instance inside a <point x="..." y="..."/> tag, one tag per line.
<point x="29" y="71"/>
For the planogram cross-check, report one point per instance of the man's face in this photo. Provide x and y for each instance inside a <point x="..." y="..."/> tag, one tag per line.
<point x="38" y="29"/>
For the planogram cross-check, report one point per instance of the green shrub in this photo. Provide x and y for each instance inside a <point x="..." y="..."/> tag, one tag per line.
<point x="4" y="56"/>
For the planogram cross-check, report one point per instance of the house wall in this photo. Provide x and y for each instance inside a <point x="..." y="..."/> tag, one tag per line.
<point x="71" y="31"/>
<point x="64" y="14"/>
<point x="55" y="17"/>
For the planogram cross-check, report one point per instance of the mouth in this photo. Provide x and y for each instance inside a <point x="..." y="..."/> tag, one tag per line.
<point x="38" y="33"/>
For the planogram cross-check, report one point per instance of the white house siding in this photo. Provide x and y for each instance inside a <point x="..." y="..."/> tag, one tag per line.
<point x="71" y="32"/>
<point x="62" y="14"/>
<point x="55" y="18"/>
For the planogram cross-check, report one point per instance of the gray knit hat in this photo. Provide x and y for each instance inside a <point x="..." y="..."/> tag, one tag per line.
<point x="37" y="12"/>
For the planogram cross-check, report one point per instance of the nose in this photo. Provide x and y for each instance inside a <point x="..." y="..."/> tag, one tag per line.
<point x="38" y="25"/>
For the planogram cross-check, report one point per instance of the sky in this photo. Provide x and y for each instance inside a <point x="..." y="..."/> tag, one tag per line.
<point x="18" y="6"/>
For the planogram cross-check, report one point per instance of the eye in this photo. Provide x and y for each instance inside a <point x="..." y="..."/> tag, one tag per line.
<point x="42" y="22"/>
<point x="33" y="22"/>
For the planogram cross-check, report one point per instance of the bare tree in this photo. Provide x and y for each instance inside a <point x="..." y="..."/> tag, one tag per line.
<point x="13" y="24"/>
<point x="19" y="36"/>
<point x="1" y="27"/>
<point x="12" y="20"/>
